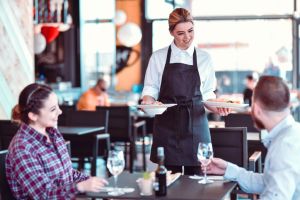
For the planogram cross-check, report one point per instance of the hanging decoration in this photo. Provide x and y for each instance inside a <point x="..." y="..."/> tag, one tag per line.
<point x="129" y="34"/>
<point x="50" y="33"/>
<point x="51" y="17"/>
<point x="39" y="43"/>
<point x="120" y="17"/>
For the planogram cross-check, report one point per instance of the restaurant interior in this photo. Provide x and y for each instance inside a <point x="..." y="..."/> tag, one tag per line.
<point x="70" y="44"/>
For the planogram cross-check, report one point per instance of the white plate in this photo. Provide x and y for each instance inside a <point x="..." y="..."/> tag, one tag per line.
<point x="145" y="106"/>
<point x="155" y="109"/>
<point x="214" y="178"/>
<point x="233" y="106"/>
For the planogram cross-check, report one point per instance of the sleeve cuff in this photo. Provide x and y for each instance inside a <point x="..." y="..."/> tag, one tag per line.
<point x="151" y="92"/>
<point x="232" y="172"/>
<point x="209" y="95"/>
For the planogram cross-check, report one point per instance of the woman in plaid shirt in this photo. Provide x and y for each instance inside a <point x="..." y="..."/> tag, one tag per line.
<point x="38" y="165"/>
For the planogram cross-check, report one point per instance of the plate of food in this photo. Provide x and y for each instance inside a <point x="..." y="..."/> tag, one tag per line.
<point x="234" y="105"/>
<point x="155" y="109"/>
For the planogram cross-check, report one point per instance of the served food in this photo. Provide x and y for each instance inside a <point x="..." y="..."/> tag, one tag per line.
<point x="225" y="100"/>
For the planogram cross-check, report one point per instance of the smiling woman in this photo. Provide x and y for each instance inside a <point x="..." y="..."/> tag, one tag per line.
<point x="180" y="74"/>
<point x="37" y="155"/>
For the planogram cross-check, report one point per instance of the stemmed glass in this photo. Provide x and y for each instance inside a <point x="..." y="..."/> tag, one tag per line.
<point x="115" y="165"/>
<point x="204" y="155"/>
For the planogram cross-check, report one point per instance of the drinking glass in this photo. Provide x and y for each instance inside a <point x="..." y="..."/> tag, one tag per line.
<point x="115" y="165"/>
<point x="204" y="155"/>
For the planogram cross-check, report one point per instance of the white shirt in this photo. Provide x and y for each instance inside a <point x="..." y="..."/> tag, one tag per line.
<point x="157" y="63"/>
<point x="281" y="177"/>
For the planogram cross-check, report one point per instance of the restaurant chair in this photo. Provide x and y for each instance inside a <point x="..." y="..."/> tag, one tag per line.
<point x="122" y="128"/>
<point x="240" y="120"/>
<point x="5" y="192"/>
<point x="245" y="120"/>
<point x="65" y="109"/>
<point x="230" y="144"/>
<point x="7" y="131"/>
<point x="81" y="144"/>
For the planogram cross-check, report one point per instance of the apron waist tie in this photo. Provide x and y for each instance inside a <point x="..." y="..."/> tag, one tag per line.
<point x="182" y="106"/>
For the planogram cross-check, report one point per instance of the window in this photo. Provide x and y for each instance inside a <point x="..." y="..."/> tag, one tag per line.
<point x="98" y="41"/>
<point x="239" y="48"/>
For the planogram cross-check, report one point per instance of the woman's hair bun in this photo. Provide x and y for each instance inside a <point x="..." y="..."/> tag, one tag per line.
<point x="16" y="113"/>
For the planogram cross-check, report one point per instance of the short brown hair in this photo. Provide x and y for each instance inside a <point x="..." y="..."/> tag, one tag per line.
<point x="177" y="16"/>
<point x="272" y="93"/>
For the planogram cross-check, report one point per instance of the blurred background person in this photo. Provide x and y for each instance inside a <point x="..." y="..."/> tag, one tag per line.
<point x="271" y="69"/>
<point x="250" y="84"/>
<point x="95" y="96"/>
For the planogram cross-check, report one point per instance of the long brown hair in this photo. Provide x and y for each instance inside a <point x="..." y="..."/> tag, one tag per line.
<point x="31" y="99"/>
<point x="177" y="16"/>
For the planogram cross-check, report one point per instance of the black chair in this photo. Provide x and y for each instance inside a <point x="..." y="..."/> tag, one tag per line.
<point x="63" y="117"/>
<point x="240" y="120"/>
<point x="7" y="131"/>
<point x="5" y="192"/>
<point x="231" y="145"/>
<point x="80" y="144"/>
<point x="245" y="120"/>
<point x="122" y="128"/>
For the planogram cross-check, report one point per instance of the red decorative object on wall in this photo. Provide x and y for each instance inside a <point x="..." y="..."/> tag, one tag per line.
<point x="50" y="33"/>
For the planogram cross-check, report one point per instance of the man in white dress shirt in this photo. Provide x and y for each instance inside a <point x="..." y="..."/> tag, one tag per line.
<point x="281" y="177"/>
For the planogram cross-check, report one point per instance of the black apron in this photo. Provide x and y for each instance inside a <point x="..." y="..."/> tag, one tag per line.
<point x="180" y="128"/>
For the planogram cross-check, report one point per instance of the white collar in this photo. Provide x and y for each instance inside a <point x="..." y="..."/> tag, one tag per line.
<point x="176" y="50"/>
<point x="286" y="122"/>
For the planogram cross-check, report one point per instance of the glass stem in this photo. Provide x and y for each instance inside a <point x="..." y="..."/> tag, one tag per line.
<point x="205" y="176"/>
<point x="115" y="180"/>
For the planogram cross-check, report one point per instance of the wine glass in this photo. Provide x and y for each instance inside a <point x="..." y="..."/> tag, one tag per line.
<point x="204" y="155"/>
<point x="115" y="165"/>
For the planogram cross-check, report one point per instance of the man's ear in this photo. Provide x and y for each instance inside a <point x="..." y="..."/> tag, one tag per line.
<point x="258" y="111"/>
<point x="32" y="116"/>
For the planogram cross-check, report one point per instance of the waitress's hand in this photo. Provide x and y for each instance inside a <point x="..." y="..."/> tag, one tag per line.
<point x="223" y="111"/>
<point x="149" y="100"/>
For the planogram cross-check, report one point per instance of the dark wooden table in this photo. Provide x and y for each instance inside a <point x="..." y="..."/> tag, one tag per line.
<point x="182" y="189"/>
<point x="78" y="131"/>
<point x="81" y="139"/>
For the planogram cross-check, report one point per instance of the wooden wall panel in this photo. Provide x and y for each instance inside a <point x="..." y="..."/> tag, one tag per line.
<point x="16" y="51"/>
<point x="132" y="74"/>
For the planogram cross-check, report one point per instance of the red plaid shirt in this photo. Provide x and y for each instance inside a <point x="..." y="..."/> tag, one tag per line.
<point x="37" y="169"/>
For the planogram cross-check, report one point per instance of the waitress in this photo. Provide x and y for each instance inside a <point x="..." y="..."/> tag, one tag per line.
<point x="180" y="74"/>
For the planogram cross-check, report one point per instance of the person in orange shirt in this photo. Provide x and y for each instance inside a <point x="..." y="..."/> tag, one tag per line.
<point x="95" y="96"/>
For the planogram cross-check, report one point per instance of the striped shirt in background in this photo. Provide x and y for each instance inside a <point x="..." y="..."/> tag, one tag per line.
<point x="37" y="169"/>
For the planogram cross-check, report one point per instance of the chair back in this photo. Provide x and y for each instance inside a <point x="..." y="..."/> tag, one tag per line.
<point x="230" y="144"/>
<point x="120" y="123"/>
<point x="65" y="110"/>
<point x="5" y="193"/>
<point x="7" y="131"/>
<point x="87" y="118"/>
<point x="240" y="120"/>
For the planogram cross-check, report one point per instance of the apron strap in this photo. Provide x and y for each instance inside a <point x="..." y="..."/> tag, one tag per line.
<point x="183" y="106"/>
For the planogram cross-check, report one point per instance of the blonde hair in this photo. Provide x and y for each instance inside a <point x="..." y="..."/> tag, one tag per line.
<point x="177" y="16"/>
